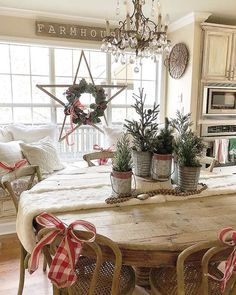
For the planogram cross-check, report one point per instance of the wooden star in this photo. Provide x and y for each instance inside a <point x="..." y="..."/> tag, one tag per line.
<point x="44" y="89"/>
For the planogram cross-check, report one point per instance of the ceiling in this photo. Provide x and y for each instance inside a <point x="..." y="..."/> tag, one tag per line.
<point x="223" y="11"/>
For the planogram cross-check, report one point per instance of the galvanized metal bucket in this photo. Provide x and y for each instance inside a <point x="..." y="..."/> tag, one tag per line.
<point x="174" y="176"/>
<point x="121" y="183"/>
<point x="188" y="178"/>
<point x="161" y="167"/>
<point x="142" y="163"/>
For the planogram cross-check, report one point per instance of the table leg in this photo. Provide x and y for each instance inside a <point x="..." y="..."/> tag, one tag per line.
<point x="142" y="276"/>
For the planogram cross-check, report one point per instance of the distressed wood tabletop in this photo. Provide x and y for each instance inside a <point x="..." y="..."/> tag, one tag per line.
<point x="150" y="235"/>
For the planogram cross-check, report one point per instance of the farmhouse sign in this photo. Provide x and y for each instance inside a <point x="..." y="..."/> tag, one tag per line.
<point x="58" y="30"/>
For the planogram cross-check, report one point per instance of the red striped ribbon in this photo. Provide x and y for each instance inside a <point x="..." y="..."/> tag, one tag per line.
<point x="103" y="161"/>
<point x="71" y="112"/>
<point x="228" y="237"/>
<point x="62" y="270"/>
<point x="17" y="165"/>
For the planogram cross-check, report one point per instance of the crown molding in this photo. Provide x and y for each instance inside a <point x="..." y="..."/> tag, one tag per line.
<point x="188" y="19"/>
<point x="42" y="15"/>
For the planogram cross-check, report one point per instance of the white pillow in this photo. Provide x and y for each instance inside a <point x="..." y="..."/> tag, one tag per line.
<point x="112" y="135"/>
<point x="42" y="153"/>
<point x="32" y="133"/>
<point x="10" y="153"/>
<point x="5" y="135"/>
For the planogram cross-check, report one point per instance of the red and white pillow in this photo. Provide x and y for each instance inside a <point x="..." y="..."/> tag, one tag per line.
<point x="10" y="154"/>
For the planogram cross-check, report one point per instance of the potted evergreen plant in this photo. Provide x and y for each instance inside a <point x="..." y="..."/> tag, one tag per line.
<point x="188" y="147"/>
<point x="143" y="131"/>
<point x="162" y="158"/>
<point x="121" y="176"/>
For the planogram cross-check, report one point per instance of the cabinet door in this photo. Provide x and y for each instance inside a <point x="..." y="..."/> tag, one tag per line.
<point x="217" y="55"/>
<point x="233" y="61"/>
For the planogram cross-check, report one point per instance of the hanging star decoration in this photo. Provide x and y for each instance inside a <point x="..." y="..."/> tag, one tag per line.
<point x="78" y="113"/>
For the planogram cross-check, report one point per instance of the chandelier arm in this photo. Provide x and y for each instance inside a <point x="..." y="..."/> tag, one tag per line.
<point x="138" y="33"/>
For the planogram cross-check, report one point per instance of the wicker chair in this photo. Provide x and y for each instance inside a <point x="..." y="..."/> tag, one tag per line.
<point x="7" y="179"/>
<point x="6" y="184"/>
<point x="209" y="161"/>
<point x="95" y="275"/>
<point x="97" y="155"/>
<point x="189" y="278"/>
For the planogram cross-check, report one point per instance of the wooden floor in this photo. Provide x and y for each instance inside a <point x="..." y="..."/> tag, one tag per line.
<point x="36" y="284"/>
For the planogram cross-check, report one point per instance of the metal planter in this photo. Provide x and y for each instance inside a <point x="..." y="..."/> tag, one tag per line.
<point x="161" y="167"/>
<point x="188" y="178"/>
<point x="142" y="163"/>
<point x="121" y="183"/>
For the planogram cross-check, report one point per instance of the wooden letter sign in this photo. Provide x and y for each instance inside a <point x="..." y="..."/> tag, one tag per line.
<point x="69" y="31"/>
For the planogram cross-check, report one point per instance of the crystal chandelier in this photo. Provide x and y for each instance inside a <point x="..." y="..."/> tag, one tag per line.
<point x="138" y="35"/>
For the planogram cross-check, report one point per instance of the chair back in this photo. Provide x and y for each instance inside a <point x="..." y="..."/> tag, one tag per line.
<point x="210" y="250"/>
<point x="208" y="161"/>
<point x="96" y="250"/>
<point x="7" y="179"/>
<point x="97" y="155"/>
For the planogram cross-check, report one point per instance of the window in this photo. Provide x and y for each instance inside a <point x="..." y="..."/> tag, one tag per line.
<point x="25" y="66"/>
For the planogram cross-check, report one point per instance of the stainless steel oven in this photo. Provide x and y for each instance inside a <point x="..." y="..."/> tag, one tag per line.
<point x="218" y="130"/>
<point x="219" y="100"/>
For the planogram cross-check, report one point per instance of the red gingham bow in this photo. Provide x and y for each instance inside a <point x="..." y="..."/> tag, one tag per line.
<point x="102" y="161"/>
<point x="17" y="165"/>
<point x="228" y="237"/>
<point x="62" y="269"/>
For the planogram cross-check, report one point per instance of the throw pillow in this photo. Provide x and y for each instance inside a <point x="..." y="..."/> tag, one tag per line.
<point x="112" y="135"/>
<point x="5" y="135"/>
<point x="10" y="154"/>
<point x="31" y="134"/>
<point x="42" y="153"/>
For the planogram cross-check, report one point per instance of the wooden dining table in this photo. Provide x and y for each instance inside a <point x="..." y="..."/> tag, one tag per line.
<point x="153" y="235"/>
<point x="148" y="234"/>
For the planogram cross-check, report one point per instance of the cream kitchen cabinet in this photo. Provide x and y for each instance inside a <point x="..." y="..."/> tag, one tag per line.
<point x="219" y="56"/>
<point x="233" y="60"/>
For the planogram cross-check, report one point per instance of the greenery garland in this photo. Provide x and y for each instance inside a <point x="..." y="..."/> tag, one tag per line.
<point x="76" y="109"/>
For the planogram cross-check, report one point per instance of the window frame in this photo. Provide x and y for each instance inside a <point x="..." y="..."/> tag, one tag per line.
<point x="83" y="46"/>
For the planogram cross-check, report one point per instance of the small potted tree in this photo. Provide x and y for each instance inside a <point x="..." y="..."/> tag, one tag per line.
<point x="121" y="176"/>
<point x="162" y="157"/>
<point x="180" y="124"/>
<point x="143" y="132"/>
<point x="188" y="147"/>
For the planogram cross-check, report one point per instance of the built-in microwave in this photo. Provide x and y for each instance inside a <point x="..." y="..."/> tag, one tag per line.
<point x="219" y="100"/>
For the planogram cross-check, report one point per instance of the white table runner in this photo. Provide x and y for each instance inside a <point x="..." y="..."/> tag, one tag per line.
<point x="87" y="188"/>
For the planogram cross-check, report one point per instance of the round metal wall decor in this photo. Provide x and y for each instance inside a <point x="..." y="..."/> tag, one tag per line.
<point x="178" y="60"/>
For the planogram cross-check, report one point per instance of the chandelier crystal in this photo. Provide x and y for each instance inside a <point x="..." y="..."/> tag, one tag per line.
<point x="138" y="35"/>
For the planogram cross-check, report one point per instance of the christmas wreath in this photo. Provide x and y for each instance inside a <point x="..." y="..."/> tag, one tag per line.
<point x="76" y="110"/>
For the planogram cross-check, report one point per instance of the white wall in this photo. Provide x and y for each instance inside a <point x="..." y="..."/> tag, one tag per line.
<point x="23" y="29"/>
<point x="179" y="90"/>
<point x="182" y="93"/>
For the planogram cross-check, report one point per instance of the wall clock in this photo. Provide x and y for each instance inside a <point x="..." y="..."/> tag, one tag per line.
<point x="178" y="60"/>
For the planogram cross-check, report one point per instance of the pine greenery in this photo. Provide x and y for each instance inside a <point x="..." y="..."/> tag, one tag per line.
<point x="144" y="129"/>
<point x="123" y="157"/>
<point x="164" y="142"/>
<point x="188" y="146"/>
<point x="181" y="123"/>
